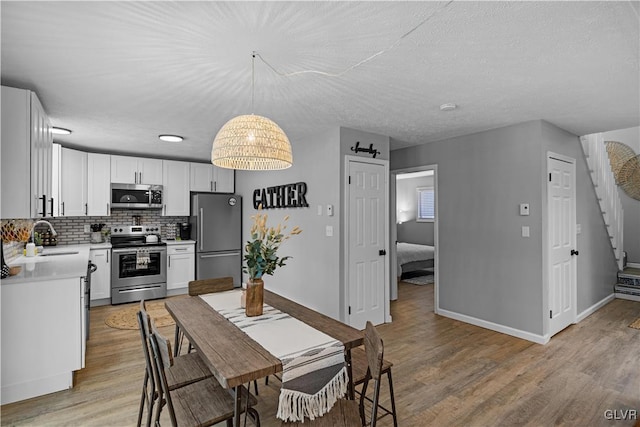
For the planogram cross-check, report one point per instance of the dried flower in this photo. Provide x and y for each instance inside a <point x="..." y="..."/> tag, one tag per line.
<point x="260" y="251"/>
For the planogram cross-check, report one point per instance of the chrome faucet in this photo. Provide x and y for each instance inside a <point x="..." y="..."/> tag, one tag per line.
<point x="42" y="221"/>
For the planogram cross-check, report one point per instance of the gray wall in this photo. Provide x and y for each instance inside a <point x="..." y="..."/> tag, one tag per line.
<point x="630" y="207"/>
<point x="487" y="270"/>
<point x="410" y="230"/>
<point x="310" y="277"/>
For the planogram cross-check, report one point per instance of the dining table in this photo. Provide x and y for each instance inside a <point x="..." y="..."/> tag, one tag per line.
<point x="233" y="357"/>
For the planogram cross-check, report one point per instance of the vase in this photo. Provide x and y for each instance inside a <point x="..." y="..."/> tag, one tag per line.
<point x="254" y="298"/>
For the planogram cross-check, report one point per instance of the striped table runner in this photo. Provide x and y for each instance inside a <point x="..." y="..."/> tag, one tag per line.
<point x="314" y="373"/>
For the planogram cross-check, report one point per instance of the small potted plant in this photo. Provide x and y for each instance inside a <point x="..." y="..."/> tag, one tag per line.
<point x="261" y="257"/>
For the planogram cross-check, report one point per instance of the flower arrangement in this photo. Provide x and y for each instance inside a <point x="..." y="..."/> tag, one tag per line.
<point x="261" y="251"/>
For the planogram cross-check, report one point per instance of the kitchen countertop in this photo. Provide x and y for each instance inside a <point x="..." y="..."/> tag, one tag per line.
<point x="179" y="242"/>
<point x="104" y="245"/>
<point x="42" y="268"/>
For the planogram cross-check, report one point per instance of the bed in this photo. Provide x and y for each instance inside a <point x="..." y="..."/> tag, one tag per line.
<point x="412" y="257"/>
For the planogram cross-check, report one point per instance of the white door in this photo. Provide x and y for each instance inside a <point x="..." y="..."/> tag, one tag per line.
<point x="175" y="185"/>
<point x="223" y="180"/>
<point x="561" y="198"/>
<point x="99" y="184"/>
<point x="201" y="177"/>
<point x="73" y="183"/>
<point x="367" y="229"/>
<point x="101" y="278"/>
<point x="149" y="171"/>
<point x="124" y="169"/>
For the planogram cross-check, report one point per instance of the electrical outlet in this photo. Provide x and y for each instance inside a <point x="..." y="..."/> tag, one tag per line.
<point x="87" y="228"/>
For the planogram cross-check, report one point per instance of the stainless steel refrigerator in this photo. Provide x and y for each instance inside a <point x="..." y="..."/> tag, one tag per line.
<point x="216" y="226"/>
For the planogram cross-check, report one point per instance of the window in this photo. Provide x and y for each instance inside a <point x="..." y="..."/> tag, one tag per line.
<point x="426" y="210"/>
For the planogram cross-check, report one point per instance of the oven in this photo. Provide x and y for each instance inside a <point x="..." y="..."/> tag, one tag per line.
<point x="138" y="269"/>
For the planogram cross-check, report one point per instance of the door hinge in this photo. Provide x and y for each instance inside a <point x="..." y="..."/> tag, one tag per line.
<point x="550" y="314"/>
<point x="349" y="310"/>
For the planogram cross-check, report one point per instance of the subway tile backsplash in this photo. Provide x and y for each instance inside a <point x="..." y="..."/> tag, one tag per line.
<point x="71" y="229"/>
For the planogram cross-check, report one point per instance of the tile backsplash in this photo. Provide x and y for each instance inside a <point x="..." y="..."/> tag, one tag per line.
<point x="71" y="229"/>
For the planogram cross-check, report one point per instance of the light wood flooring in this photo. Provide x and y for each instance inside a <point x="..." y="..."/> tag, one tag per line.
<point x="446" y="373"/>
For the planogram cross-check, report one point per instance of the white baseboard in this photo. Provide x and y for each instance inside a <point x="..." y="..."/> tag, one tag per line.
<point x="38" y="387"/>
<point x="633" y="265"/>
<point x="628" y="297"/>
<point x="538" y="339"/>
<point x="595" y="307"/>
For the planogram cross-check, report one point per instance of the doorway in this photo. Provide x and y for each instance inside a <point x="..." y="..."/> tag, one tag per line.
<point x="414" y="229"/>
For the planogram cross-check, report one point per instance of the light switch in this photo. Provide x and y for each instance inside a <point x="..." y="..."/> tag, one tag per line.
<point x="329" y="210"/>
<point x="525" y="231"/>
<point x="87" y="228"/>
<point x="329" y="231"/>
<point x="524" y="209"/>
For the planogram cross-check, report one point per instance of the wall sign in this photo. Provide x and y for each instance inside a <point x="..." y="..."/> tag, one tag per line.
<point x="357" y="149"/>
<point x="281" y="196"/>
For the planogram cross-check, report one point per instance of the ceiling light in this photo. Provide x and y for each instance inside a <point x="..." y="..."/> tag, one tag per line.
<point x="251" y="142"/>
<point x="171" y="138"/>
<point x="60" y="131"/>
<point x="448" y="107"/>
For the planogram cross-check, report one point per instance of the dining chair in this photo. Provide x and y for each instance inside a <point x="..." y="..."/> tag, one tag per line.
<point x="359" y="367"/>
<point x="199" y="287"/>
<point x="185" y="370"/>
<point x="202" y="403"/>
<point x="350" y="413"/>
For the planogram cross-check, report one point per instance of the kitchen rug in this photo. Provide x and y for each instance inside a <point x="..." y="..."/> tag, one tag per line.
<point x="420" y="280"/>
<point x="635" y="324"/>
<point x="126" y="318"/>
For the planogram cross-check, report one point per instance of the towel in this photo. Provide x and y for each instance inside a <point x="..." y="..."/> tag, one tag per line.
<point x="142" y="260"/>
<point x="314" y="374"/>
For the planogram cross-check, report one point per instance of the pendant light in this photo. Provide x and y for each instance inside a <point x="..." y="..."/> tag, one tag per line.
<point x="251" y="142"/>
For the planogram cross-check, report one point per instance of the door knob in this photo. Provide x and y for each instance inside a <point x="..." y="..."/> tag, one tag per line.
<point x="382" y="252"/>
<point x="574" y="252"/>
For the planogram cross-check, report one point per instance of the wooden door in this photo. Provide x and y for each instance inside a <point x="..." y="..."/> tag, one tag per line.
<point x="367" y="243"/>
<point x="561" y="200"/>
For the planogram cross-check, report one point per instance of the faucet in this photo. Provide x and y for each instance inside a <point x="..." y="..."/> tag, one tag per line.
<point x="42" y="221"/>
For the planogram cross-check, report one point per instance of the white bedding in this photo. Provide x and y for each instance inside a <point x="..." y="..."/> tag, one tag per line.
<point x="411" y="252"/>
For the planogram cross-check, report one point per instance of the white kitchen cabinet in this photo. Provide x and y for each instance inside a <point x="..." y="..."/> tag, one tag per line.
<point x="180" y="266"/>
<point x="26" y="156"/>
<point x="42" y="336"/>
<point x="98" y="184"/>
<point x="135" y="170"/>
<point x="73" y="183"/>
<point x="175" y="186"/>
<point x="101" y="278"/>
<point x="206" y="177"/>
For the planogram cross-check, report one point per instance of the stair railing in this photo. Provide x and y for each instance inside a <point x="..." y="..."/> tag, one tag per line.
<point x="606" y="191"/>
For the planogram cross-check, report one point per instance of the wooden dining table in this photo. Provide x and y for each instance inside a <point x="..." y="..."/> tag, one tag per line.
<point x="236" y="359"/>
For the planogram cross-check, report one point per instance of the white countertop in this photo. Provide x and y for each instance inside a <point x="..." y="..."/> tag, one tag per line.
<point x="179" y="242"/>
<point x="104" y="245"/>
<point x="41" y="268"/>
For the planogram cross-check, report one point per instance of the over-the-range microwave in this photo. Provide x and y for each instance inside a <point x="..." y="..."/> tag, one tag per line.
<point x="136" y="196"/>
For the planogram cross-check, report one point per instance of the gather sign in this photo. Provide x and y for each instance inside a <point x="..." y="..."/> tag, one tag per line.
<point x="281" y="196"/>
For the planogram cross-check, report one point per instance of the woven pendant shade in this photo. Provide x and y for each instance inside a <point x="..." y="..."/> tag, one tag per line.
<point x="618" y="153"/>
<point x="251" y="142"/>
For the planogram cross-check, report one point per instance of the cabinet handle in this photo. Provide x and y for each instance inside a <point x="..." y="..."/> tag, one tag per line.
<point x="135" y="177"/>
<point x="107" y="257"/>
<point x="201" y="228"/>
<point x="140" y="182"/>
<point x="215" y="185"/>
<point x="44" y="205"/>
<point x="86" y="209"/>
<point x="180" y="249"/>
<point x="62" y="208"/>
<point x="211" y="186"/>
<point x="169" y="259"/>
<point x="52" y="206"/>
<point x="108" y="208"/>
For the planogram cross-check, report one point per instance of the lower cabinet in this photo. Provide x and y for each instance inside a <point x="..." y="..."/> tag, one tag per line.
<point x="101" y="278"/>
<point x="180" y="267"/>
<point x="42" y="337"/>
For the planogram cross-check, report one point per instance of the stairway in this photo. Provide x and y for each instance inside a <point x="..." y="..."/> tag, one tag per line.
<point x="606" y="192"/>
<point x="628" y="286"/>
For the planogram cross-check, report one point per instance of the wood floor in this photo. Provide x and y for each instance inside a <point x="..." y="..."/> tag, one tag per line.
<point x="446" y="373"/>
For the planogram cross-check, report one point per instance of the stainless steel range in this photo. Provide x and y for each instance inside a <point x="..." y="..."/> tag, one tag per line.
<point x="138" y="269"/>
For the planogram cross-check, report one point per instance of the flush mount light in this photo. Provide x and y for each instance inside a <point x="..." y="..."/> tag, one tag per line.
<point x="448" y="107"/>
<point x="60" y="131"/>
<point x="171" y="138"/>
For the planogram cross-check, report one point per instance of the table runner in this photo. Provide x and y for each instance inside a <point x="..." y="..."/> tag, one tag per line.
<point x="314" y="373"/>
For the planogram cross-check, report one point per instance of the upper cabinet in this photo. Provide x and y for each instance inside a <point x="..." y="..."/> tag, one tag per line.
<point x="136" y="170"/>
<point x="175" y="186"/>
<point x="73" y="183"/>
<point x="26" y="153"/>
<point x="206" y="177"/>
<point x="98" y="184"/>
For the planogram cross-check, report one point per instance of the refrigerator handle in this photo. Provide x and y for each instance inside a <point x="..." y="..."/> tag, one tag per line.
<point x="220" y="255"/>
<point x="201" y="231"/>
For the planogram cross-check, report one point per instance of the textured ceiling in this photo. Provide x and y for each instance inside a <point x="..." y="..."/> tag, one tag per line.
<point x="121" y="73"/>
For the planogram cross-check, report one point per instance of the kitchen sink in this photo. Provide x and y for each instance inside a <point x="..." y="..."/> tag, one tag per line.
<point x="59" y="253"/>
